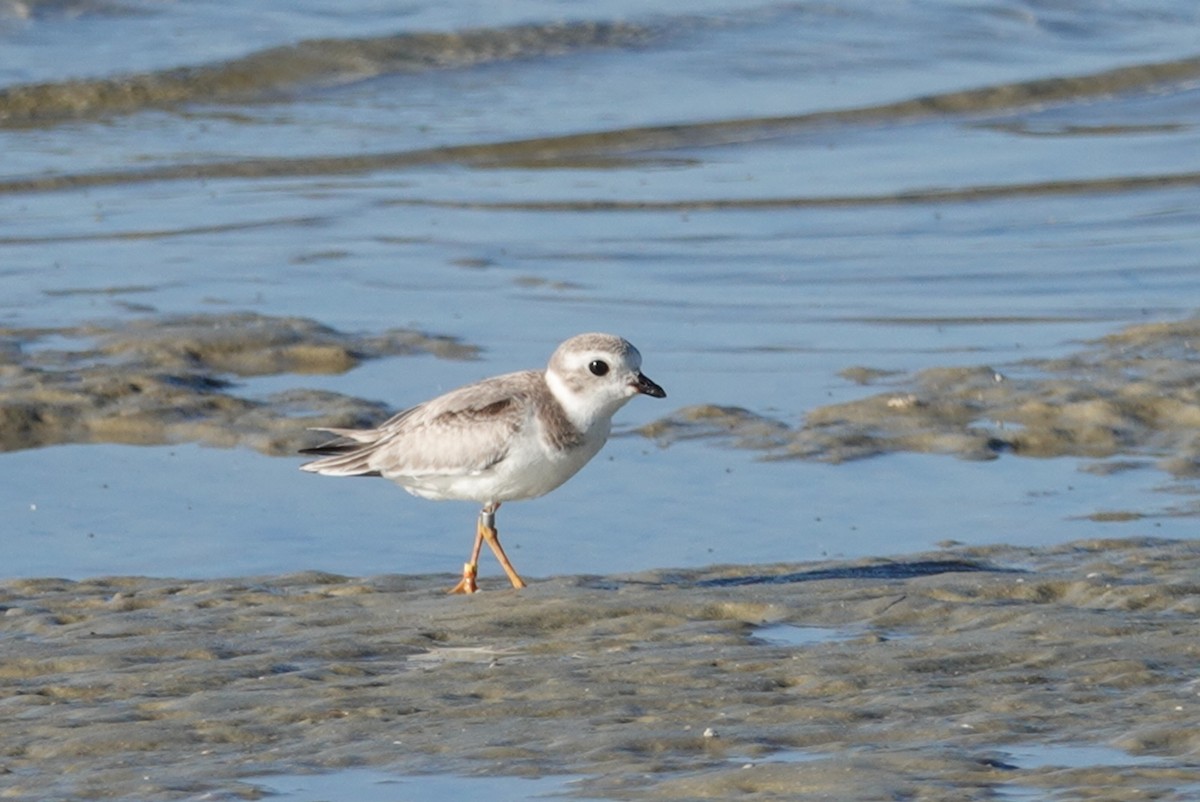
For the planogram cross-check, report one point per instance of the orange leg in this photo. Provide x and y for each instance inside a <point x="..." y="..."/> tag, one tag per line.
<point x="485" y="529"/>
<point x="470" y="569"/>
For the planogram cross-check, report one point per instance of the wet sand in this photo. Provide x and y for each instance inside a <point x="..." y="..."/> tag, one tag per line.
<point x="170" y="379"/>
<point x="931" y="673"/>
<point x="1131" y="393"/>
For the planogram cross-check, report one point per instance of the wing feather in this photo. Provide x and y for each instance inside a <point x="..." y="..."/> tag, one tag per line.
<point x="462" y="432"/>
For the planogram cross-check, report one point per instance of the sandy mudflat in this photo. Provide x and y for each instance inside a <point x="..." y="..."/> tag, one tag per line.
<point x="929" y="678"/>
<point x="1134" y="393"/>
<point x="169" y="379"/>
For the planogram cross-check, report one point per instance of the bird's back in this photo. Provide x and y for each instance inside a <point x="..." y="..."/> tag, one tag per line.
<point x="461" y="433"/>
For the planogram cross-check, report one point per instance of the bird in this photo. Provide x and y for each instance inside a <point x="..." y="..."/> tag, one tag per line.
<point x="506" y="438"/>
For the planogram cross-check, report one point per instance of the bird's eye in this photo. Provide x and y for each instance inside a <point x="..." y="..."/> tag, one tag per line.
<point x="598" y="367"/>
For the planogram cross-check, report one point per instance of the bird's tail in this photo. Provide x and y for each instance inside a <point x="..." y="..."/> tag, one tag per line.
<point x="343" y="456"/>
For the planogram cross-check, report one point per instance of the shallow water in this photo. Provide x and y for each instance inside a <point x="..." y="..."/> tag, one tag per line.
<point x="828" y="227"/>
<point x="365" y="785"/>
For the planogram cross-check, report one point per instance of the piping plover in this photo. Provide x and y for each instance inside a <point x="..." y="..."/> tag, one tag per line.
<point x="506" y="438"/>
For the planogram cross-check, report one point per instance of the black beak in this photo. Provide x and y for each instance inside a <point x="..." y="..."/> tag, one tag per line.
<point x="647" y="387"/>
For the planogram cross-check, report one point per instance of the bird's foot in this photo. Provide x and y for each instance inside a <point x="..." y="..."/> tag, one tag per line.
<point x="467" y="583"/>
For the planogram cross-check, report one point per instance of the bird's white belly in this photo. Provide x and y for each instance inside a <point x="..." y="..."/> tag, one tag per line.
<point x="530" y="469"/>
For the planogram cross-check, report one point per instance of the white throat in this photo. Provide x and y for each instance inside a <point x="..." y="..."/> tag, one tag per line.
<point x="584" y="411"/>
